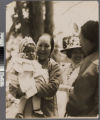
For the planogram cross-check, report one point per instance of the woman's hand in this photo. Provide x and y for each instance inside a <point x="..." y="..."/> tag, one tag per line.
<point x="65" y="87"/>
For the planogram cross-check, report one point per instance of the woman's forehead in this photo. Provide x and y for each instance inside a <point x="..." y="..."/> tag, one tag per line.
<point x="44" y="39"/>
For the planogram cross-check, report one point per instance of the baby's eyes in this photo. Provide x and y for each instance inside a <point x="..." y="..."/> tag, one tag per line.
<point x="27" y="50"/>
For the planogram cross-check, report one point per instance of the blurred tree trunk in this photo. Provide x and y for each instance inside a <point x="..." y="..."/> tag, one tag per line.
<point x="36" y="19"/>
<point x="34" y="25"/>
<point x="25" y="30"/>
<point x="49" y="17"/>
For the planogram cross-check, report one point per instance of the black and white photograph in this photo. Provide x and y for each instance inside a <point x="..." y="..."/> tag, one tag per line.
<point x="52" y="59"/>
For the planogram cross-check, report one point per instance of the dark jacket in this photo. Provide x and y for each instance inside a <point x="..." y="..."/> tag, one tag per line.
<point x="47" y="92"/>
<point x="84" y="101"/>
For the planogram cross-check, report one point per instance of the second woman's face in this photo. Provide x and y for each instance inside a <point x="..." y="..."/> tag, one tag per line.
<point x="77" y="55"/>
<point x="43" y="48"/>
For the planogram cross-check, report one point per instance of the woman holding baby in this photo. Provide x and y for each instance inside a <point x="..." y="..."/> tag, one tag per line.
<point x="41" y="100"/>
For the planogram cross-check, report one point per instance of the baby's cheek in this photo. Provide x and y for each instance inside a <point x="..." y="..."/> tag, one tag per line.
<point x="34" y="56"/>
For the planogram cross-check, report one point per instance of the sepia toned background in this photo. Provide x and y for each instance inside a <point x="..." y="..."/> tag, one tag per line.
<point x="58" y="18"/>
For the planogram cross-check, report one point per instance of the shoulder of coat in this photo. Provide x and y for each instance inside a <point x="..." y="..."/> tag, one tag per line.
<point x="53" y="65"/>
<point x="96" y="62"/>
<point x="53" y="62"/>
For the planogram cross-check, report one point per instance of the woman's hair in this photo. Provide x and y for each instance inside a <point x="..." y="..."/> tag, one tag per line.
<point x="90" y="31"/>
<point x="52" y="44"/>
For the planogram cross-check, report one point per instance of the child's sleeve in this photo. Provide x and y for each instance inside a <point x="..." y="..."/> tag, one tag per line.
<point x="27" y="85"/>
<point x="12" y="74"/>
<point x="12" y="78"/>
<point x="16" y="92"/>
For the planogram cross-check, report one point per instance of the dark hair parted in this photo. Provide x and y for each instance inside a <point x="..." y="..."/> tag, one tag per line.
<point x="90" y="31"/>
<point x="52" y="44"/>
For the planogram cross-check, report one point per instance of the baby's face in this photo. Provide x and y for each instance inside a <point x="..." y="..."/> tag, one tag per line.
<point x="29" y="50"/>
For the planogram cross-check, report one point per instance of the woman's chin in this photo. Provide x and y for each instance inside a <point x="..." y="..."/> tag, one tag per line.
<point x="42" y="58"/>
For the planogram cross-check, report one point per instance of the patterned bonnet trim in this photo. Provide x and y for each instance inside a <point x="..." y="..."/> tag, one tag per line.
<point x="24" y="43"/>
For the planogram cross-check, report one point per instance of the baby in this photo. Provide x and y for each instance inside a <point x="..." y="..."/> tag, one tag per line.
<point x="28" y="71"/>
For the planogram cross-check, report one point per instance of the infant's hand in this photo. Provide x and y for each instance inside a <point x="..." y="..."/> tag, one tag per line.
<point x="23" y="55"/>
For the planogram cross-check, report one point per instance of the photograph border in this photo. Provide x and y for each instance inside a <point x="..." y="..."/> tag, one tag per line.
<point x="3" y="4"/>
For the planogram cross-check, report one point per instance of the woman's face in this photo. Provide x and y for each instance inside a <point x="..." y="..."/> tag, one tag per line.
<point x="43" y="48"/>
<point x="77" y="55"/>
<point x="87" y="46"/>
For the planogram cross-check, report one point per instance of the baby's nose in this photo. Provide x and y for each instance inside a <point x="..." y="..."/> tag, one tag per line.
<point x="42" y="48"/>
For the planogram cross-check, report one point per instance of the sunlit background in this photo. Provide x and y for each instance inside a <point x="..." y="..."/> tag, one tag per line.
<point x="66" y="13"/>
